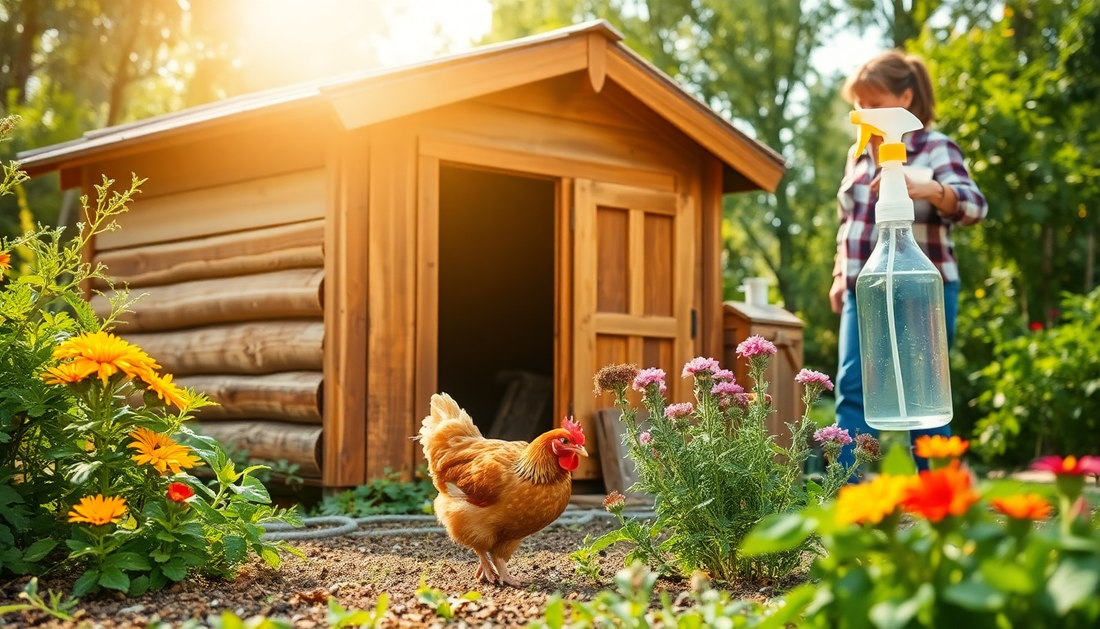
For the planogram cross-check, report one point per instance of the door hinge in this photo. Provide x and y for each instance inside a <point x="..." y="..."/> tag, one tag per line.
<point x="694" y="323"/>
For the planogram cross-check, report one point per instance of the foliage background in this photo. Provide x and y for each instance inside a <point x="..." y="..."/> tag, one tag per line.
<point x="1018" y="84"/>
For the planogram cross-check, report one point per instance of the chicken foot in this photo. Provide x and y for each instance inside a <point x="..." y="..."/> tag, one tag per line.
<point x="502" y="569"/>
<point x="485" y="571"/>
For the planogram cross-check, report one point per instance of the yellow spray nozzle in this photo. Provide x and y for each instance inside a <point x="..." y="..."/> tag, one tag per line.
<point x="865" y="131"/>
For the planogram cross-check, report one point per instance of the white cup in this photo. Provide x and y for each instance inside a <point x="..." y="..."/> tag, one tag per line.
<point x="756" y="290"/>
<point x="917" y="174"/>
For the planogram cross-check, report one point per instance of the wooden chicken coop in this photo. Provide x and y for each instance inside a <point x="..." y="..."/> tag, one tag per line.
<point x="322" y="258"/>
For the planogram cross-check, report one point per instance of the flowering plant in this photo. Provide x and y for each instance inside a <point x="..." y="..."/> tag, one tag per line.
<point x="974" y="555"/>
<point x="95" y="458"/>
<point x="713" y="468"/>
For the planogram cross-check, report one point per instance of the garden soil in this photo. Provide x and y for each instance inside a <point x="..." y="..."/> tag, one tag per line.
<point x="355" y="570"/>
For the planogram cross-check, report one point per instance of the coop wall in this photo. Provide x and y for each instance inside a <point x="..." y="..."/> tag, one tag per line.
<point x="224" y="252"/>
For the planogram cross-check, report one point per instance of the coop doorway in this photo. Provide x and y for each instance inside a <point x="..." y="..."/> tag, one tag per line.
<point x="496" y="299"/>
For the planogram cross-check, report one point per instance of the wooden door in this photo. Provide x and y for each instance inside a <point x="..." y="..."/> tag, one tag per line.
<point x="633" y="258"/>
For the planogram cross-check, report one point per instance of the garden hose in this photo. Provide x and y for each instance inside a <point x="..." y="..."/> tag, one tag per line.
<point x="338" y="525"/>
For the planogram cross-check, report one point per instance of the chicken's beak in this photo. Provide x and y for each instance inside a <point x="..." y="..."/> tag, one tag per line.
<point x="581" y="451"/>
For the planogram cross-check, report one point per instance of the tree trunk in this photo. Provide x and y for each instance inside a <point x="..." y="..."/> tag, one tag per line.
<point x="22" y="63"/>
<point x="1045" y="266"/>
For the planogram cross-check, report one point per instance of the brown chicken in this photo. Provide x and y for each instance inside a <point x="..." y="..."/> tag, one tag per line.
<point x="494" y="493"/>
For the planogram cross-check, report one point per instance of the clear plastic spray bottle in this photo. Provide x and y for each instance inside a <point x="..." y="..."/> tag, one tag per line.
<point x="899" y="298"/>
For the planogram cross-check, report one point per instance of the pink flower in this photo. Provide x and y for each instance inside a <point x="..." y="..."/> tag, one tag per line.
<point x="701" y="366"/>
<point x="723" y="374"/>
<point x="727" y="388"/>
<point x="743" y="400"/>
<point x="1069" y="466"/>
<point x="678" y="411"/>
<point x="650" y="377"/>
<point x="834" y="434"/>
<point x="644" y="438"/>
<point x="756" y="346"/>
<point x="808" y="377"/>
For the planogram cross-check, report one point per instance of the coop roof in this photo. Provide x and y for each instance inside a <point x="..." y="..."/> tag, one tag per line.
<point x="366" y="98"/>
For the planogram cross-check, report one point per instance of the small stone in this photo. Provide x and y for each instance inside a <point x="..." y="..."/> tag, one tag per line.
<point x="133" y="609"/>
<point x="213" y="603"/>
<point x="362" y="549"/>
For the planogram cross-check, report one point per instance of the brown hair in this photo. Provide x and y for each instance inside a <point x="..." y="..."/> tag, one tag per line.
<point x="894" y="72"/>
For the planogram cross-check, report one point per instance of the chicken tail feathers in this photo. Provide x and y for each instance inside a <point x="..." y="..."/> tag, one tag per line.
<point x="446" y="422"/>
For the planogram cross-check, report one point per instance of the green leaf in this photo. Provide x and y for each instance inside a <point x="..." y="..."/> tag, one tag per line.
<point x="138" y="586"/>
<point x="976" y="595"/>
<point x="554" y="616"/>
<point x="81" y="472"/>
<point x="77" y="545"/>
<point x="235" y="549"/>
<point x="270" y="557"/>
<point x="899" y="461"/>
<point x="252" y="489"/>
<point x="39" y="549"/>
<point x="1008" y="577"/>
<point x="783" y="531"/>
<point x="175" y="570"/>
<point x="126" y="561"/>
<point x="114" y="579"/>
<point x="471" y="596"/>
<point x="896" y="614"/>
<point x="1073" y="581"/>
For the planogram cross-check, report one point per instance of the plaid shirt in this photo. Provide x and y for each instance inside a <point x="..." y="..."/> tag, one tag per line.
<point x="858" y="235"/>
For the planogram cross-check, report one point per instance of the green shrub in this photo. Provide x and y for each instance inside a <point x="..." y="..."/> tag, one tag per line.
<point x="714" y="469"/>
<point x="94" y="454"/>
<point x="1040" y="392"/>
<point x="387" y="495"/>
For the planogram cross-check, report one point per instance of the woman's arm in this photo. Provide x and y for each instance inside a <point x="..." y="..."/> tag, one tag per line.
<point x="952" y="192"/>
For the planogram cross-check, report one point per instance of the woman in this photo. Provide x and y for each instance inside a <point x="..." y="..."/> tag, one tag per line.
<point x="948" y="199"/>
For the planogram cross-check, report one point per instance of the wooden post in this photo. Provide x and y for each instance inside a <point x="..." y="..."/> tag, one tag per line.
<point x="345" y="306"/>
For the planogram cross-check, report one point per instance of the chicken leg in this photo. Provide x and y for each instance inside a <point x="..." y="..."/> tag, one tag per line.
<point x="485" y="571"/>
<point x="502" y="570"/>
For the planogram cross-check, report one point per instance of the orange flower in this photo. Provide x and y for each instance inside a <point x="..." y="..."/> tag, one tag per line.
<point x="1023" y="506"/>
<point x="5" y="261"/>
<point x="98" y="510"/>
<point x="161" y="452"/>
<point x="940" y="493"/>
<point x="65" y="373"/>
<point x="870" y="502"/>
<point x="940" y="447"/>
<point x="179" y="492"/>
<point x="105" y="354"/>
<point x="165" y="390"/>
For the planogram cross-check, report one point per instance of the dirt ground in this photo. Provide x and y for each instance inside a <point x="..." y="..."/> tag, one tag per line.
<point x="355" y="571"/>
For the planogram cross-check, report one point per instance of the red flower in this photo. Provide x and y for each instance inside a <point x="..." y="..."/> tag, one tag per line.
<point x="1069" y="466"/>
<point x="179" y="492"/>
<point x="940" y="493"/>
<point x="1035" y="326"/>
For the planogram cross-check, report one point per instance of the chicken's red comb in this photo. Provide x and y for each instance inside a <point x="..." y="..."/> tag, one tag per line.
<point x="574" y="429"/>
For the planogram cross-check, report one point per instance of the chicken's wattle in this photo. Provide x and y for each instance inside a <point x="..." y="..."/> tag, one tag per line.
<point x="569" y="462"/>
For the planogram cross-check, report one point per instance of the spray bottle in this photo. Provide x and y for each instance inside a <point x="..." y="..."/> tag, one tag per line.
<point x="899" y="298"/>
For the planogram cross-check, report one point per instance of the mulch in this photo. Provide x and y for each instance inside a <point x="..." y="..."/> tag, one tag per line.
<point x="356" y="571"/>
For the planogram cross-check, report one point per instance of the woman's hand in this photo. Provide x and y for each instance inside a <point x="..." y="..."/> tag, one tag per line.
<point x="836" y="293"/>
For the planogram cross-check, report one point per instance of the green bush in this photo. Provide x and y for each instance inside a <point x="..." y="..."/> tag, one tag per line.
<point x="1040" y="390"/>
<point x="387" y="495"/>
<point x="714" y="469"/>
<point x="94" y="454"/>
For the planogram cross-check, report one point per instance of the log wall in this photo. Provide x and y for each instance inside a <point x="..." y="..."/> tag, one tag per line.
<point x="231" y="303"/>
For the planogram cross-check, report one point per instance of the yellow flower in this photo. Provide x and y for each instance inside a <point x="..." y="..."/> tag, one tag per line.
<point x="165" y="390"/>
<point x="5" y="261"/>
<point x="161" y="452"/>
<point x="98" y="510"/>
<point x="940" y="447"/>
<point x="871" y="502"/>
<point x="105" y="354"/>
<point x="65" y="373"/>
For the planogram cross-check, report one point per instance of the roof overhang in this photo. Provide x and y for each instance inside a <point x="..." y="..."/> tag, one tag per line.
<point x="367" y="98"/>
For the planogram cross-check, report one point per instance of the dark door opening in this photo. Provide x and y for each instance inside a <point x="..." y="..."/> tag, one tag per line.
<point x="496" y="299"/>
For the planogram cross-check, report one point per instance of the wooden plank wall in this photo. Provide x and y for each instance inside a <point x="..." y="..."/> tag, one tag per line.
<point x="230" y="278"/>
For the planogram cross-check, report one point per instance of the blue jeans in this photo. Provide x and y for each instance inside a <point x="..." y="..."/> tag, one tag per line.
<point x="849" y="378"/>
